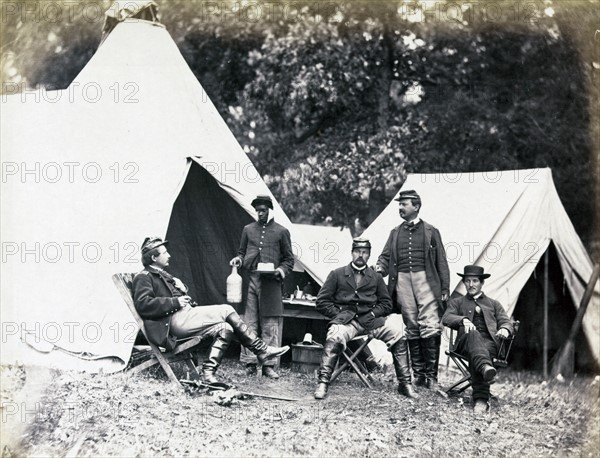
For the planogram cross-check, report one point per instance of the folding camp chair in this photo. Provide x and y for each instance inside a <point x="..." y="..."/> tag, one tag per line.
<point x="352" y="361"/>
<point x="184" y="351"/>
<point x="500" y="361"/>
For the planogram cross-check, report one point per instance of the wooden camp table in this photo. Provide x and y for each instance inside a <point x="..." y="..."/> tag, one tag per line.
<point x="301" y="308"/>
<point x="301" y="316"/>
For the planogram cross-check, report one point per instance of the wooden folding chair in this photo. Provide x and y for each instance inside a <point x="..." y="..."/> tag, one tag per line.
<point x="352" y="361"/>
<point x="184" y="351"/>
<point x="462" y="363"/>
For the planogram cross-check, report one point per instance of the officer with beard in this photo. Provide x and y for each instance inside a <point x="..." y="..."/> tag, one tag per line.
<point x="356" y="300"/>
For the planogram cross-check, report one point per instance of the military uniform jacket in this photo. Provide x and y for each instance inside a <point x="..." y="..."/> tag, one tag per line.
<point x="270" y="242"/>
<point x="463" y="307"/>
<point x="436" y="265"/>
<point x="342" y="301"/>
<point x="156" y="305"/>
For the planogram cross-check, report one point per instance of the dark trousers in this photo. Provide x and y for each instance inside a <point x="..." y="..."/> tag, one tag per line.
<point x="478" y="350"/>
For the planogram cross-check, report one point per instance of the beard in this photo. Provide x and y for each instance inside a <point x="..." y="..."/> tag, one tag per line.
<point x="360" y="262"/>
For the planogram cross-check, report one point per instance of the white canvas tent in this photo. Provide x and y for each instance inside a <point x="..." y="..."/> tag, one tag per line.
<point x="503" y="221"/>
<point x="90" y="171"/>
<point x="326" y="247"/>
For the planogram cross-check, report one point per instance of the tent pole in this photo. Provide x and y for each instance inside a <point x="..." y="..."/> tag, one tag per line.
<point x="545" y="354"/>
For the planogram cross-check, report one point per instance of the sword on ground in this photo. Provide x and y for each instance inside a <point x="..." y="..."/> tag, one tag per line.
<point x="224" y="387"/>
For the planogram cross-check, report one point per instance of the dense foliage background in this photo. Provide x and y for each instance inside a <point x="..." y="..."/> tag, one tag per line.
<point x="335" y="102"/>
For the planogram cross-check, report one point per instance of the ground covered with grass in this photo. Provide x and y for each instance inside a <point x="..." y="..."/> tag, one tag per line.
<point x="143" y="415"/>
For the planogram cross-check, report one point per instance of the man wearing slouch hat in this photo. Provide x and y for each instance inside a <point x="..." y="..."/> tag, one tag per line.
<point x="481" y="322"/>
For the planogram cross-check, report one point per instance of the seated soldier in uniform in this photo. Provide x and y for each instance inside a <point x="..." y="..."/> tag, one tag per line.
<point x="481" y="322"/>
<point x="357" y="301"/>
<point x="169" y="313"/>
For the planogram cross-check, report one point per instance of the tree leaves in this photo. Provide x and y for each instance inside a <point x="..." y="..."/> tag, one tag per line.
<point x="334" y="104"/>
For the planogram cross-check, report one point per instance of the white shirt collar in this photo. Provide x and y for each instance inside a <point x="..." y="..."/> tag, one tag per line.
<point x="414" y="221"/>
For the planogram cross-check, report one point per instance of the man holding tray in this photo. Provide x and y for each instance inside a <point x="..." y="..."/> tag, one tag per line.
<point x="266" y="253"/>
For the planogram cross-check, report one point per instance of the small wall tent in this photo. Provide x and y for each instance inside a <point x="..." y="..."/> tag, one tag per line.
<point x="505" y="221"/>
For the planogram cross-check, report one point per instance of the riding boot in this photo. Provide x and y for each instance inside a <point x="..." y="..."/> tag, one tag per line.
<point x="252" y="342"/>
<point x="418" y="363"/>
<point x="432" y="359"/>
<point x="402" y="367"/>
<point x="331" y="353"/>
<point x="215" y="355"/>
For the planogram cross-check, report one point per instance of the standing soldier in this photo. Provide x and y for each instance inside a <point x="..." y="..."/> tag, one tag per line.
<point x="264" y="241"/>
<point x="419" y="280"/>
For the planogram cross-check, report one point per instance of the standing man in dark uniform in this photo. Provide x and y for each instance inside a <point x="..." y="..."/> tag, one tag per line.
<point x="481" y="323"/>
<point x="415" y="259"/>
<point x="264" y="241"/>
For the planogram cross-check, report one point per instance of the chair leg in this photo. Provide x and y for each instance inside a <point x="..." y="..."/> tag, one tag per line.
<point x="167" y="368"/>
<point x="466" y="374"/>
<point x="361" y="376"/>
<point x="455" y="388"/>
<point x="194" y="372"/>
<point x="342" y="367"/>
<point x="363" y="369"/>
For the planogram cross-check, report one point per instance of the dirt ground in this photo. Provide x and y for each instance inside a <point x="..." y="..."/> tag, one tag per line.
<point x="79" y="414"/>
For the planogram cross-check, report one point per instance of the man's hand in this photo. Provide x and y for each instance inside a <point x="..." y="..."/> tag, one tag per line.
<point x="503" y="333"/>
<point x="184" y="301"/>
<point x="236" y="262"/>
<point x="469" y="326"/>
<point x="368" y="319"/>
<point x="444" y="297"/>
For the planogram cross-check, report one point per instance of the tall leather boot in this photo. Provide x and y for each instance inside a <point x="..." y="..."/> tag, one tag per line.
<point x="331" y="353"/>
<point x="215" y="355"/>
<point x="432" y="359"/>
<point x="402" y="367"/>
<point x="252" y="342"/>
<point x="418" y="361"/>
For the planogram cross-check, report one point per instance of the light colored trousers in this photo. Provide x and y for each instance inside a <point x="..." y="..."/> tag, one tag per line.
<point x="390" y="332"/>
<point x="418" y="304"/>
<point x="203" y="320"/>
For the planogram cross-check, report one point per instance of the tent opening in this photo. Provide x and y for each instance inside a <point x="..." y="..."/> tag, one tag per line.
<point x="204" y="234"/>
<point x="527" y="352"/>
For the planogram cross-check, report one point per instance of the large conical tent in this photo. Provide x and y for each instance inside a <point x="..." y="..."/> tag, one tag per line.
<point x="504" y="221"/>
<point x="133" y="148"/>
